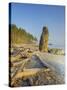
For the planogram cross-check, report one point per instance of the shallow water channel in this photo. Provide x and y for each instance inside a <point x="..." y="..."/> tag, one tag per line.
<point x="35" y="63"/>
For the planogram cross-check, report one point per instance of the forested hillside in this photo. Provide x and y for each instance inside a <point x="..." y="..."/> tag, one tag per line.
<point x="19" y="35"/>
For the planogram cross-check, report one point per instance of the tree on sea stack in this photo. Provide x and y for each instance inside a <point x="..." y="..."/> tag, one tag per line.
<point x="43" y="44"/>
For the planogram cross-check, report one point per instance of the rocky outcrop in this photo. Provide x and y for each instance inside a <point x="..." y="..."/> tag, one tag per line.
<point x="56" y="51"/>
<point x="43" y="45"/>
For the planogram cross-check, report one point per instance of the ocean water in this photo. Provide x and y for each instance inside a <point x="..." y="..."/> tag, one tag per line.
<point x="57" y="46"/>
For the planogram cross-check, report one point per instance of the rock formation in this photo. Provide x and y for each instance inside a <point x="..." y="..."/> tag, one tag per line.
<point x="43" y="44"/>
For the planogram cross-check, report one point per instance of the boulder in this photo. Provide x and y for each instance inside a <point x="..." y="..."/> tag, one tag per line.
<point x="56" y="51"/>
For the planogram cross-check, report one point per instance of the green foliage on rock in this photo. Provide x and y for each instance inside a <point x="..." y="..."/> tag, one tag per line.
<point x="19" y="35"/>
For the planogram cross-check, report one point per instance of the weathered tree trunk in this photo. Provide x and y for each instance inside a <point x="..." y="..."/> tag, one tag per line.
<point x="43" y="44"/>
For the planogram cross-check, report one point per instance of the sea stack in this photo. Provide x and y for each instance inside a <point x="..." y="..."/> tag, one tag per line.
<point x="43" y="44"/>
